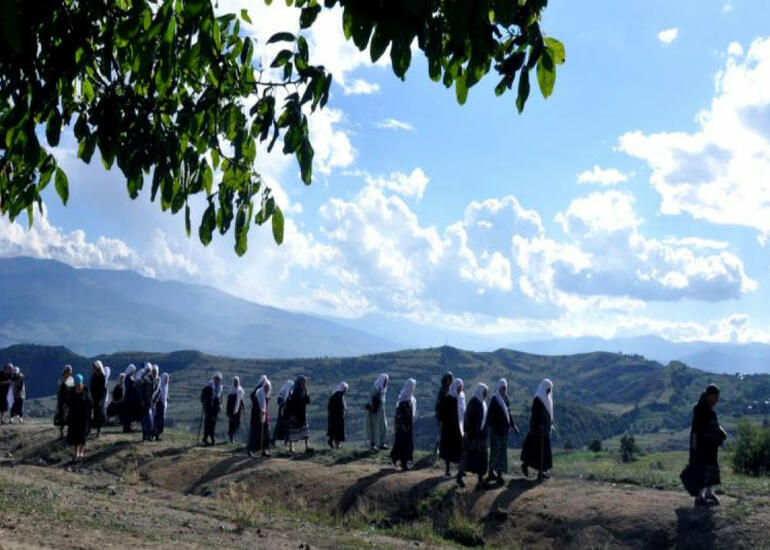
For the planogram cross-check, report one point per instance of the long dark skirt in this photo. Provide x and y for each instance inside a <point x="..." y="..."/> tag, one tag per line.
<point x="536" y="451"/>
<point x="403" y="443"/>
<point x="98" y="419"/>
<point x="498" y="452"/>
<point x="17" y="409"/>
<point x="705" y="467"/>
<point x="234" y="424"/>
<point x="281" y="431"/>
<point x="159" y="419"/>
<point x="259" y="433"/>
<point x="474" y="456"/>
<point x="209" y="425"/>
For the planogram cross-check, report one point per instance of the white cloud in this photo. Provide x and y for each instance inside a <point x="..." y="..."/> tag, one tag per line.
<point x="393" y="124"/>
<point x="602" y="176"/>
<point x="735" y="49"/>
<point x="331" y="145"/>
<point x="667" y="36"/>
<point x="407" y="185"/>
<point x="728" y="7"/>
<point x="695" y="242"/>
<point x="721" y="172"/>
<point x="361" y="87"/>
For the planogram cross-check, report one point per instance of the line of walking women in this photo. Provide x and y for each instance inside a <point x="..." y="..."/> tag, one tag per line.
<point x="137" y="397"/>
<point x="12" y="394"/>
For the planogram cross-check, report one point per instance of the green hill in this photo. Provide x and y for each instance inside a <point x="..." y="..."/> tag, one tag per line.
<point x="597" y="395"/>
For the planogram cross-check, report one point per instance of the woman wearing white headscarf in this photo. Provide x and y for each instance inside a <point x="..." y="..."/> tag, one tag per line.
<point x="160" y="398"/>
<point x="281" y="431"/>
<point x="474" y="457"/>
<point x="259" y="428"/>
<point x="98" y="387"/>
<point x="116" y="399"/>
<point x="403" y="425"/>
<point x="451" y="415"/>
<point x="335" y="425"/>
<point x="131" y="411"/>
<point x="6" y="395"/>
<point x="500" y="422"/>
<point x="19" y="392"/>
<point x="211" y="401"/>
<point x="66" y="383"/>
<point x="235" y="408"/>
<point x="536" y="451"/>
<point x="376" y="421"/>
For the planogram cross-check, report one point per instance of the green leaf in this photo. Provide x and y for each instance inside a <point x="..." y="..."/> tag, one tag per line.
<point x="187" y="224"/>
<point x="208" y="177"/>
<point x="521" y="99"/>
<point x="281" y="58"/>
<point x="556" y="50"/>
<point x="461" y="89"/>
<point x="62" y="185"/>
<point x="208" y="223"/>
<point x="86" y="148"/>
<point x="245" y="17"/>
<point x="379" y="43"/>
<point x="278" y="225"/>
<point x="87" y="90"/>
<point x="302" y="49"/>
<point x="546" y="74"/>
<point x="281" y="37"/>
<point x="308" y="15"/>
<point x="53" y="127"/>
<point x="400" y="57"/>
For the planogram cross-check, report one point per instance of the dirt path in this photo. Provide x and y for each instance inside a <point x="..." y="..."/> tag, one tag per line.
<point x="128" y="494"/>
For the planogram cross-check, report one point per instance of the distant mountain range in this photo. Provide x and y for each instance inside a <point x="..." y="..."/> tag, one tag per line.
<point x="708" y="356"/>
<point x="100" y="311"/>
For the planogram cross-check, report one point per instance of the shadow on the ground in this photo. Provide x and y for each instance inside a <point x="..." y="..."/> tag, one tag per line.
<point x="695" y="528"/>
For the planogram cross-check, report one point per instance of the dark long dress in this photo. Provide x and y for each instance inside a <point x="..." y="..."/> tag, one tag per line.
<point x="451" y="443"/>
<point x="62" y="394"/>
<point x="130" y="411"/>
<point x="500" y="422"/>
<point x="211" y="406"/>
<point x="233" y="416"/>
<point x="116" y="403"/>
<point x="259" y="432"/>
<point x="78" y="416"/>
<point x="19" y="390"/>
<point x="536" y="451"/>
<point x="403" y="443"/>
<point x="281" y="431"/>
<point x="296" y="411"/>
<point x="474" y="458"/>
<point x="5" y="387"/>
<point x="335" y="429"/>
<point x="709" y="436"/>
<point x="98" y="395"/>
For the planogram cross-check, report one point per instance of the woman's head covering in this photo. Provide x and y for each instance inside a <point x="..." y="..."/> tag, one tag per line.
<point x="382" y="382"/>
<point x="343" y="387"/>
<point x="130" y="369"/>
<point x="16" y="371"/>
<point x="67" y="370"/>
<point x="546" y="397"/>
<point x="260" y="382"/>
<point x="163" y="388"/>
<point x="446" y="380"/>
<point x="78" y="379"/>
<point x="456" y="388"/>
<point x="236" y="383"/>
<point x="121" y="377"/>
<point x="285" y="390"/>
<point x="238" y="392"/>
<point x="407" y="395"/>
<point x="456" y="391"/>
<point x="263" y="393"/>
<point x="98" y="366"/>
<point x="712" y="389"/>
<point x="498" y="396"/>
<point x="217" y="376"/>
<point x="300" y="386"/>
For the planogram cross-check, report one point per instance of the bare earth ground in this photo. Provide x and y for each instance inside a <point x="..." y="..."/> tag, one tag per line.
<point x="128" y="494"/>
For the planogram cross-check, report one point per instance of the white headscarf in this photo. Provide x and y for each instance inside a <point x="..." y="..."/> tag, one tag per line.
<point x="216" y="388"/>
<point x="163" y="389"/>
<point x="502" y="383"/>
<point x="546" y="399"/>
<point x="238" y="392"/>
<point x="98" y="365"/>
<point x="343" y="387"/>
<point x="263" y="394"/>
<point x="478" y="393"/>
<point x="380" y="383"/>
<point x="261" y="381"/>
<point x="407" y="395"/>
<point x="107" y="395"/>
<point x="457" y="393"/>
<point x="283" y="395"/>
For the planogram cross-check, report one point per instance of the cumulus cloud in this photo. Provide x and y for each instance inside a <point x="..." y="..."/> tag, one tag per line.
<point x="667" y="36"/>
<point x="393" y="124"/>
<point x="332" y="145"/>
<point x="602" y="176"/>
<point x="406" y="185"/>
<point x="735" y="49"/>
<point x="721" y="172"/>
<point x="361" y="87"/>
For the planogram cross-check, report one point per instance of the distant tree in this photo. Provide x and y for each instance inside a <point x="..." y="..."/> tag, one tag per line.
<point x="170" y="93"/>
<point x="569" y="444"/>
<point x="752" y="449"/>
<point x="628" y="448"/>
<point x="595" y="446"/>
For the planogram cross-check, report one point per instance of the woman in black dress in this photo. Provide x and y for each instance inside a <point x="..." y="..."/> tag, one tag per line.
<point x="234" y="408"/>
<point x="116" y="399"/>
<point x="130" y="409"/>
<point x="281" y="431"/>
<point x="259" y="428"/>
<point x="98" y="387"/>
<point x="536" y="451"/>
<point x="446" y="383"/>
<point x="451" y="420"/>
<point x="78" y="417"/>
<point x="475" y="458"/>
<point x="335" y="427"/>
<point x="62" y="399"/>
<point x="296" y="414"/>
<point x="706" y="436"/>
<point x="406" y="411"/>
<point x="500" y="422"/>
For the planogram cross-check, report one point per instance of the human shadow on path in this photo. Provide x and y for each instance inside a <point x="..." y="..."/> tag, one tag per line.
<point x="351" y="494"/>
<point x="695" y="528"/>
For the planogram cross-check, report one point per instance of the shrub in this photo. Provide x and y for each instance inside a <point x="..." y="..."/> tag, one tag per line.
<point x="752" y="449"/>
<point x="628" y="448"/>
<point x="595" y="446"/>
<point x="569" y="445"/>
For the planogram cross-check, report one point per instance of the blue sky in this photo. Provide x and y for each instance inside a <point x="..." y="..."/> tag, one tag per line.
<point x="473" y="218"/>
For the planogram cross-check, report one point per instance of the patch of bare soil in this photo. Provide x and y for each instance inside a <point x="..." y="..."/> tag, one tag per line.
<point x="130" y="494"/>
